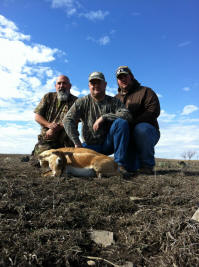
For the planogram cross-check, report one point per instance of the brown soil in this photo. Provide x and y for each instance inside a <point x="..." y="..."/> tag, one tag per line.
<point x="46" y="221"/>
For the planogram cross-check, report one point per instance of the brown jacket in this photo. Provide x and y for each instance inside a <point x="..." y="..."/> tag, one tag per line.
<point x="142" y="102"/>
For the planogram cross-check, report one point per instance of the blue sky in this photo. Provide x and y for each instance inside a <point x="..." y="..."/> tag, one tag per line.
<point x="157" y="39"/>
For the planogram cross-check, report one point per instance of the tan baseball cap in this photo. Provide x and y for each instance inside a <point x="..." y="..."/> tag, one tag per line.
<point x="96" y="75"/>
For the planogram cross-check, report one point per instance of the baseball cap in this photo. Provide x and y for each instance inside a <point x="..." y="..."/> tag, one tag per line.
<point x="96" y="75"/>
<point x="123" y="70"/>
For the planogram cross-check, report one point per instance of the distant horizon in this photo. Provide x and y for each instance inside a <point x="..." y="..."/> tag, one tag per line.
<point x="156" y="158"/>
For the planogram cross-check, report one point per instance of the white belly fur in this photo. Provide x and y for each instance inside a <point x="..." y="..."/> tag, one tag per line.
<point x="80" y="172"/>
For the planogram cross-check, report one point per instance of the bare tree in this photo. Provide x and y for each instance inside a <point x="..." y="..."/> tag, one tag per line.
<point x="184" y="155"/>
<point x="188" y="154"/>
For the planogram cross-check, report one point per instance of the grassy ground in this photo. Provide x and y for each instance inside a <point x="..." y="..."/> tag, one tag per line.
<point x="46" y="221"/>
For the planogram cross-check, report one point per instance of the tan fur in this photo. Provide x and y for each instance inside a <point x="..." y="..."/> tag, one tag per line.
<point x="60" y="159"/>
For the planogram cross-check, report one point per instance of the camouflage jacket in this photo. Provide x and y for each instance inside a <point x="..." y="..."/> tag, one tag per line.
<point x="87" y="110"/>
<point x="53" y="110"/>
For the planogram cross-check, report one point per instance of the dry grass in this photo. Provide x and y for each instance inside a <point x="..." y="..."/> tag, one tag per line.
<point x="45" y="221"/>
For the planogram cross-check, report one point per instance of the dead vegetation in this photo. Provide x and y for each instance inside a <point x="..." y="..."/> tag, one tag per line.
<point x="47" y="221"/>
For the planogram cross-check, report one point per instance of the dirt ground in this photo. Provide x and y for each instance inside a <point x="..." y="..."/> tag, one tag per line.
<point x="47" y="221"/>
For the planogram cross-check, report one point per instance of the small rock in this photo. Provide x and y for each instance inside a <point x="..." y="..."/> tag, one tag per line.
<point x="101" y="237"/>
<point x="91" y="263"/>
<point x="7" y="159"/>
<point x="195" y="217"/>
<point x="136" y="198"/>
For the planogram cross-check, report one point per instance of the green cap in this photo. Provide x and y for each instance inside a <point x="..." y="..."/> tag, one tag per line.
<point x="96" y="75"/>
<point x="123" y="70"/>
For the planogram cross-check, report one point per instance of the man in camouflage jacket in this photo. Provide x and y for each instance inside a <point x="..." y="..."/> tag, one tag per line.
<point x="144" y="106"/>
<point x="49" y="114"/>
<point x="104" y="121"/>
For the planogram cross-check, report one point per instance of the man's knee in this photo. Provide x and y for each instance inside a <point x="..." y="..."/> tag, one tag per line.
<point x="145" y="133"/>
<point x="142" y="129"/>
<point x="121" y="123"/>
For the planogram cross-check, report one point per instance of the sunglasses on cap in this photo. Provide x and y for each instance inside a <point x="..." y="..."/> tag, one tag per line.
<point x="122" y="71"/>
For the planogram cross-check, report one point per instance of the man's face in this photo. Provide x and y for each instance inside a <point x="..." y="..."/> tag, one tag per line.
<point x="63" y="86"/>
<point x="97" y="88"/>
<point x="124" y="81"/>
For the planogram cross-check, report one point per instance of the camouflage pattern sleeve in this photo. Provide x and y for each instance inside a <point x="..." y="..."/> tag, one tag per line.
<point x="73" y="116"/>
<point x="41" y="107"/>
<point x="119" y="111"/>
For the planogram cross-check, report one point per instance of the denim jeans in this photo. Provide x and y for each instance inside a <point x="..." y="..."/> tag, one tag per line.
<point x="141" y="152"/>
<point x="117" y="141"/>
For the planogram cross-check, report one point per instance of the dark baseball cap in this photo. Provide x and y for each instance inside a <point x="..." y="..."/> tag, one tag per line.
<point x="123" y="70"/>
<point x="96" y="75"/>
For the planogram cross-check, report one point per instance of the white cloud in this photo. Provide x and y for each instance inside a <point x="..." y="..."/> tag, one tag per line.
<point x="34" y="82"/>
<point x="22" y="77"/>
<point x="63" y="3"/>
<point x="186" y="89"/>
<point x="112" y="91"/>
<point x="95" y="15"/>
<point x="189" y="109"/>
<point x="104" y="40"/>
<point x="159" y="95"/>
<point x="165" y="117"/>
<point x="9" y="30"/>
<point x="71" y="11"/>
<point x="4" y="104"/>
<point x="90" y="38"/>
<point x="20" y="140"/>
<point x="16" y="76"/>
<point x="23" y="55"/>
<point x="74" y="7"/>
<point x="186" y="43"/>
<point x="85" y="92"/>
<point x="178" y="134"/>
<point x="75" y="91"/>
<point x="112" y="32"/>
<point x="70" y="5"/>
<point x="24" y="80"/>
<point x="175" y="139"/>
<point x="17" y="114"/>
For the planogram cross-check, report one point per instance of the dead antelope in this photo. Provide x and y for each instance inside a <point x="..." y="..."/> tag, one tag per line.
<point x="81" y="162"/>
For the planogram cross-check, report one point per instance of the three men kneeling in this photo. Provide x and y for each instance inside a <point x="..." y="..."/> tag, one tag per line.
<point x="108" y="122"/>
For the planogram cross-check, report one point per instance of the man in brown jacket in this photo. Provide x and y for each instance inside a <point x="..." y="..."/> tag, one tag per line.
<point x="144" y="106"/>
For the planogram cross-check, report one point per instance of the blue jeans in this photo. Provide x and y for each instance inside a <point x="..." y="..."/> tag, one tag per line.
<point x="117" y="141"/>
<point x="141" y="152"/>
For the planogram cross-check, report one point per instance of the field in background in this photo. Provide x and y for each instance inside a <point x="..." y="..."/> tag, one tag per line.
<point x="47" y="221"/>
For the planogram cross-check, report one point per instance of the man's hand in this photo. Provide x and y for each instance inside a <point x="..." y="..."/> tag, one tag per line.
<point x="53" y="129"/>
<point x="50" y="134"/>
<point x="97" y="124"/>
<point x="53" y="125"/>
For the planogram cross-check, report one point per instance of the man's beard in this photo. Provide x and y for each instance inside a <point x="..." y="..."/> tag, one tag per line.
<point x="62" y="95"/>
